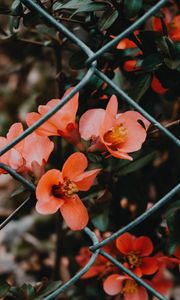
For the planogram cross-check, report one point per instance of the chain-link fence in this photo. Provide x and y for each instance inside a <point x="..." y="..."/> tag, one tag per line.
<point x="91" y="64"/>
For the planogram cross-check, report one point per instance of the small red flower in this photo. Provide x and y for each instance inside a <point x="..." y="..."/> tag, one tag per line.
<point x="125" y="44"/>
<point x="58" y="190"/>
<point x="157" y="86"/>
<point x="136" y="252"/>
<point x="102" y="265"/>
<point x="119" y="284"/>
<point x="171" y="22"/>
<point x="119" y="134"/>
<point x="130" y="65"/>
<point x="161" y="283"/>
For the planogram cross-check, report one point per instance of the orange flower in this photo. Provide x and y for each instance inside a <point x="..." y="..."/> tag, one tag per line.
<point x="157" y="86"/>
<point x="115" y="284"/>
<point x="119" y="134"/>
<point x="31" y="154"/>
<point x="125" y="44"/>
<point x="161" y="283"/>
<point x="135" y="252"/>
<point x="156" y="22"/>
<point x="58" y="190"/>
<point x="102" y="265"/>
<point x="12" y="158"/>
<point x="130" y="65"/>
<point x="62" y="123"/>
<point x="171" y="22"/>
<point x="174" y="29"/>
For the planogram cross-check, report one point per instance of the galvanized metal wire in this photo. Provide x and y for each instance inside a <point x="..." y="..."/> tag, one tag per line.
<point x="91" y="62"/>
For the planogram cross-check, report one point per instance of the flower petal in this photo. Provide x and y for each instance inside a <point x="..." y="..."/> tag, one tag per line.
<point x="65" y="115"/>
<point x="15" y="130"/>
<point x="135" y="116"/>
<point x="74" y="165"/>
<point x="125" y="242"/>
<point x="15" y="159"/>
<point x="46" y="129"/>
<point x="41" y="148"/>
<point x="143" y="245"/>
<point x="86" y="179"/>
<point x="74" y="213"/>
<point x="139" y="294"/>
<point x="157" y="86"/>
<point x="119" y="154"/>
<point x="50" y="207"/>
<point x="92" y="272"/>
<point x="136" y="132"/>
<point x="138" y="271"/>
<point x="112" y="107"/>
<point x="112" y="285"/>
<point x="90" y="123"/>
<point x="45" y="184"/>
<point x="149" y="265"/>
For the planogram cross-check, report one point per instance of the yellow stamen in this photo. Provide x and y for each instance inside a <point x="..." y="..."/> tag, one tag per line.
<point x="116" y="136"/>
<point x="67" y="189"/>
<point x="134" y="259"/>
<point x="130" y="287"/>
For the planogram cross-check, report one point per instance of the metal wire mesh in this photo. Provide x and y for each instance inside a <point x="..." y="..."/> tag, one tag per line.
<point x="91" y="64"/>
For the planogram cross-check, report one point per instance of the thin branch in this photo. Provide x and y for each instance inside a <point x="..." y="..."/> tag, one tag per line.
<point x="70" y="20"/>
<point x="172" y="124"/>
<point x="14" y="213"/>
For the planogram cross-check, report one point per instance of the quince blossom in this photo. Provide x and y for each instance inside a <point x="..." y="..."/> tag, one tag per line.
<point x="31" y="154"/>
<point x="62" y="123"/>
<point x="118" y="134"/>
<point x="57" y="190"/>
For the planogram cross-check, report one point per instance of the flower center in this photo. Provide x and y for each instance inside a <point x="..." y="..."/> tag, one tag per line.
<point x="116" y="136"/>
<point x="134" y="259"/>
<point x="67" y="189"/>
<point x="130" y="287"/>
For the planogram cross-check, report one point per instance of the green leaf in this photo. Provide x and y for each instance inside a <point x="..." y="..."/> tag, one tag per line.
<point x="136" y="164"/>
<point x="4" y="288"/>
<point x="80" y="6"/>
<point x="107" y="19"/>
<point x="73" y="4"/>
<point x="16" y="8"/>
<point x="139" y="86"/>
<point x="152" y="62"/>
<point x="28" y="290"/>
<point x="101" y="221"/>
<point x="132" y="8"/>
<point x="51" y="287"/>
<point x="149" y="40"/>
<point x="172" y="64"/>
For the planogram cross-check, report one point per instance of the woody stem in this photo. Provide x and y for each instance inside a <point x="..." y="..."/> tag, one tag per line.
<point x="172" y="124"/>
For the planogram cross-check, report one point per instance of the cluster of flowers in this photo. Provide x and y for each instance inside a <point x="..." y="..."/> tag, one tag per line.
<point x="107" y="131"/>
<point x="134" y="253"/>
<point x="172" y="24"/>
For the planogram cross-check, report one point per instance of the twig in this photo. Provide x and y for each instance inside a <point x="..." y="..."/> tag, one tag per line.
<point x="172" y="124"/>
<point x="56" y="272"/>
<point x="70" y="20"/>
<point x="11" y="216"/>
